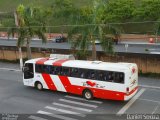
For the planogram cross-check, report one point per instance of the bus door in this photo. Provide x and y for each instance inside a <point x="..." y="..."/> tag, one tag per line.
<point x="28" y="72"/>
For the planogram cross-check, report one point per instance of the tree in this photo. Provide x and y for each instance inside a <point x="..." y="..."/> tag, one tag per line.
<point x="119" y="10"/>
<point x="62" y="10"/>
<point x="147" y="10"/>
<point x="31" y="22"/>
<point x="90" y="27"/>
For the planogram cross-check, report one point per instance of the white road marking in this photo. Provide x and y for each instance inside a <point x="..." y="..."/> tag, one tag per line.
<point x="78" y="103"/>
<point x="155" y="52"/>
<point x="149" y="100"/>
<point x="10" y="69"/>
<point x="124" y="108"/>
<point x="155" y="109"/>
<point x="72" y="107"/>
<point x="148" y="86"/>
<point x="65" y="111"/>
<point x="56" y="116"/>
<point x="43" y="112"/>
<point x="77" y="98"/>
<point x="36" y="118"/>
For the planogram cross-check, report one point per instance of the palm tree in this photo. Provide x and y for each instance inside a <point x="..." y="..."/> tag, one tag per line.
<point x="31" y="22"/>
<point x="89" y="28"/>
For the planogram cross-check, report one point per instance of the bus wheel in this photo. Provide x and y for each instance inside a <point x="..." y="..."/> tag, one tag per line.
<point x="87" y="94"/>
<point x="39" y="86"/>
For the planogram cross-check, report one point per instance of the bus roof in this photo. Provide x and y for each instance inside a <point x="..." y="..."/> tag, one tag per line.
<point x="119" y="66"/>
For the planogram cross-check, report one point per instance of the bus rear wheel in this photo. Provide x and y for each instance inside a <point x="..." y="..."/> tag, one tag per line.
<point x="39" y="86"/>
<point x="87" y="94"/>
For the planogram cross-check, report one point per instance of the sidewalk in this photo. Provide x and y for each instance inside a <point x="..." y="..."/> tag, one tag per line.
<point x="9" y="65"/>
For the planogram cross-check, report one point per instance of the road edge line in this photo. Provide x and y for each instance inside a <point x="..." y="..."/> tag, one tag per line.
<point x="148" y="86"/>
<point x="10" y="69"/>
<point x="126" y="106"/>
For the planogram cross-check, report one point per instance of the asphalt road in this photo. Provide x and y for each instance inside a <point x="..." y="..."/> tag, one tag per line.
<point x="132" y="47"/>
<point x="29" y="103"/>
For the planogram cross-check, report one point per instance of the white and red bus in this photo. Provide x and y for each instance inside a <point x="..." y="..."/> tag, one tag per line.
<point x="116" y="81"/>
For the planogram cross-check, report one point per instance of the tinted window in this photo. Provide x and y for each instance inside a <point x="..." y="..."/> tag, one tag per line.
<point x="111" y="76"/>
<point x="65" y="71"/>
<point x="119" y="77"/>
<point x="90" y="74"/>
<point x="74" y="72"/>
<point x="58" y="70"/>
<point x="82" y="73"/>
<point x="28" y="73"/>
<point x="102" y="75"/>
<point x="39" y="68"/>
<point x="46" y="69"/>
<point x="52" y="70"/>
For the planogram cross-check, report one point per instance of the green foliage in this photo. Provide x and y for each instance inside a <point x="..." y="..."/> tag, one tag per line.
<point x="119" y="10"/>
<point x="11" y="5"/>
<point x="89" y="29"/>
<point x="30" y="22"/>
<point x="147" y="10"/>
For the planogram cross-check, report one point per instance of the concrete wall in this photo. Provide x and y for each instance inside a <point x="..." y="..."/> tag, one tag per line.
<point x="146" y="63"/>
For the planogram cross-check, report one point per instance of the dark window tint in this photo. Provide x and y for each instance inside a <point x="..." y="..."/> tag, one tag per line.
<point x="102" y="75"/>
<point x="82" y="73"/>
<point x="111" y="76"/>
<point x="91" y="74"/>
<point x="39" y="68"/>
<point x="47" y="69"/>
<point x="28" y="73"/>
<point x="119" y="77"/>
<point x="43" y="68"/>
<point x="65" y="71"/>
<point x="58" y="70"/>
<point x="74" y="72"/>
<point x="52" y="70"/>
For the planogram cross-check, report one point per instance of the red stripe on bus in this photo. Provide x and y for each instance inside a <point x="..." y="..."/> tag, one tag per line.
<point x="69" y="87"/>
<point x="47" y="77"/>
<point x="49" y="81"/>
<point x="98" y="93"/>
<point x="59" y="62"/>
<point x="107" y="94"/>
<point x="41" y="61"/>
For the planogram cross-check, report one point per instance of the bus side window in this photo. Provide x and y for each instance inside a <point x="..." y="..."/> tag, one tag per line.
<point x="102" y="75"/>
<point x="46" y="69"/>
<point x="91" y="74"/>
<point x="52" y="70"/>
<point x="74" y="72"/>
<point x="110" y="76"/>
<point x="82" y="73"/>
<point x="119" y="77"/>
<point x="58" y="70"/>
<point x="65" y="71"/>
<point x="39" y="68"/>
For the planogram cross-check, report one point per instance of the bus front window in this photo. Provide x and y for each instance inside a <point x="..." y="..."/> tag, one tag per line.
<point x="28" y="71"/>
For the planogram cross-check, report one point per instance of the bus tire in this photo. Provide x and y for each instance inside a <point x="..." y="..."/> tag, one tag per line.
<point x="39" y="86"/>
<point x="87" y="94"/>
